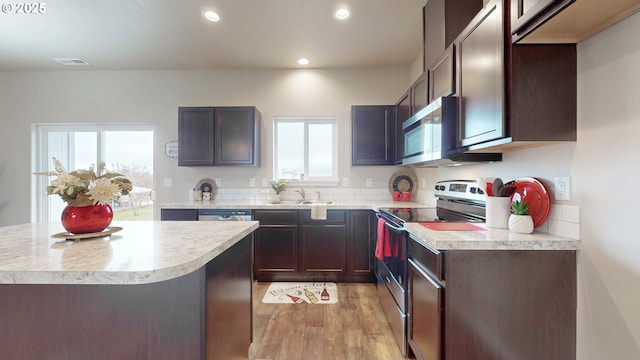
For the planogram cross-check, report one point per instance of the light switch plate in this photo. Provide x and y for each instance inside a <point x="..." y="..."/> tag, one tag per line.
<point x="168" y="182"/>
<point x="265" y="182"/>
<point x="252" y="182"/>
<point x="369" y="182"/>
<point x="345" y="181"/>
<point x="218" y="181"/>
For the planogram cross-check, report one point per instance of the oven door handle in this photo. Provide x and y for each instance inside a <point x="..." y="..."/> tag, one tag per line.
<point x="389" y="225"/>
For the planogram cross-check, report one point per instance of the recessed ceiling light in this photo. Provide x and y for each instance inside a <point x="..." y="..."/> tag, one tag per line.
<point x="303" y="61"/>
<point x="342" y="13"/>
<point x="212" y="16"/>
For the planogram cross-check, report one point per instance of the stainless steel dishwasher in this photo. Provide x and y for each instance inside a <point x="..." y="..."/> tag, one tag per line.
<point x="224" y="215"/>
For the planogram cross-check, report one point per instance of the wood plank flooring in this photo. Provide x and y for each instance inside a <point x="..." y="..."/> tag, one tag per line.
<point x="354" y="328"/>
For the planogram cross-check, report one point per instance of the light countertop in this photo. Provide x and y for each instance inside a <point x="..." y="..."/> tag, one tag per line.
<point x="489" y="239"/>
<point x="143" y="252"/>
<point x="262" y="205"/>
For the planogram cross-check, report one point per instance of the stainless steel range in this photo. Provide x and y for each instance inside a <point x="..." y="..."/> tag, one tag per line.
<point x="457" y="201"/>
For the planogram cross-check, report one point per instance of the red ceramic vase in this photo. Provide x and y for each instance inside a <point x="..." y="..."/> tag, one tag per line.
<point x="86" y="219"/>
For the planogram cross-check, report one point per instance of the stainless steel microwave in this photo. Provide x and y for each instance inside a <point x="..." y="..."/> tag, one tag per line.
<point x="430" y="137"/>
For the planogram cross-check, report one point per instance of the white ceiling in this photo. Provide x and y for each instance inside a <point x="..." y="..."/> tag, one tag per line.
<point x="172" y="34"/>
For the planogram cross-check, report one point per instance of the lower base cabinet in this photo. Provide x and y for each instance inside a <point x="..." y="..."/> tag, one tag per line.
<point x="290" y="246"/>
<point x="206" y="314"/>
<point x="492" y="304"/>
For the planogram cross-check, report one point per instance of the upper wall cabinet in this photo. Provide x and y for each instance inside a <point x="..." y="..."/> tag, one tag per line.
<point x="403" y="113"/>
<point x="420" y="93"/>
<point x="522" y="95"/>
<point x="565" y="21"/>
<point x="373" y="135"/>
<point x="218" y="136"/>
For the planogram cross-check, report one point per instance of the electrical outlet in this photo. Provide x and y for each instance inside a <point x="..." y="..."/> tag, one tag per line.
<point x="345" y="181"/>
<point x="252" y="182"/>
<point x="369" y="182"/>
<point x="423" y="183"/>
<point x="218" y="181"/>
<point x="562" y="188"/>
<point x="265" y="182"/>
<point x="168" y="182"/>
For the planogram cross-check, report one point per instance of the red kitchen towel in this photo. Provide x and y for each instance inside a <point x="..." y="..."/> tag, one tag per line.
<point x="383" y="243"/>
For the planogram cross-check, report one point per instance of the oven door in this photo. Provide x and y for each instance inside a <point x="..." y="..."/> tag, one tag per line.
<point x="392" y="286"/>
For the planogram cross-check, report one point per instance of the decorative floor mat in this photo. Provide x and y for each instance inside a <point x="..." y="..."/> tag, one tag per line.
<point x="301" y="293"/>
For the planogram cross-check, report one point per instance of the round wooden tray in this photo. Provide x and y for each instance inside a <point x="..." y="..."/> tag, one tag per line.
<point x="69" y="236"/>
<point x="404" y="181"/>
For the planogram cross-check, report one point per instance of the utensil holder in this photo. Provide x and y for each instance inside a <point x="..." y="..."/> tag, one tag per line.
<point x="498" y="210"/>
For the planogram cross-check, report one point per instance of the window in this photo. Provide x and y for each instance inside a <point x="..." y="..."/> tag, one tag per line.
<point x="127" y="149"/>
<point x="305" y="147"/>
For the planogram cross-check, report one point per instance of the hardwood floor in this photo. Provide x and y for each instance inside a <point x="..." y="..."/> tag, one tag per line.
<point x="354" y="328"/>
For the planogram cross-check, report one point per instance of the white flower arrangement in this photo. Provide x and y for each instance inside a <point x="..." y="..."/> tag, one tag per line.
<point x="86" y="187"/>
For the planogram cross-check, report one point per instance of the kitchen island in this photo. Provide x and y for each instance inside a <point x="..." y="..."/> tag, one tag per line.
<point x="154" y="290"/>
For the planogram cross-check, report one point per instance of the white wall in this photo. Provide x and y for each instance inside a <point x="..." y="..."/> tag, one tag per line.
<point x="603" y="165"/>
<point x="154" y="97"/>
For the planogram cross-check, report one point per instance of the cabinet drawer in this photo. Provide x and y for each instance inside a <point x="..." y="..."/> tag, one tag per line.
<point x="276" y="217"/>
<point x="333" y="216"/>
<point x="426" y="257"/>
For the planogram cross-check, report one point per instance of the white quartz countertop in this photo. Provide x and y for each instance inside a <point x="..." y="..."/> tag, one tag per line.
<point x="489" y="239"/>
<point x="261" y="204"/>
<point x="142" y="252"/>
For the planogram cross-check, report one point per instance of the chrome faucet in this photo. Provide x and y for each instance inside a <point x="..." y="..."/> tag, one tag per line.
<point x="318" y="192"/>
<point x="301" y="192"/>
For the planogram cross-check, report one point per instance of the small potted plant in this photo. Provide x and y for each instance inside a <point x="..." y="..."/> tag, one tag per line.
<point x="520" y="221"/>
<point x="279" y="186"/>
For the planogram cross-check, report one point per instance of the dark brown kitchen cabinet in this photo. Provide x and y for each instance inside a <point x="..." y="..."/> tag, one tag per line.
<point x="218" y="136"/>
<point x="491" y="304"/>
<point x="481" y="88"/>
<point x="291" y="246"/>
<point x="523" y="95"/>
<point x="420" y="93"/>
<point x="324" y="251"/>
<point x="178" y="214"/>
<point x="373" y="135"/>
<point x="527" y="15"/>
<point x="403" y="112"/>
<point x="276" y="245"/>
<point x="511" y="304"/>
<point x="442" y="75"/>
<point x="362" y="241"/>
<point x="433" y="31"/>
<point x="458" y="14"/>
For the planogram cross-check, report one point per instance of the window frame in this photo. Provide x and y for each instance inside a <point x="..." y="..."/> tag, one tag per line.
<point x="309" y="120"/>
<point x="41" y="160"/>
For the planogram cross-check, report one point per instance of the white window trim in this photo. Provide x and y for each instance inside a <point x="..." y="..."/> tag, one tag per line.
<point x="310" y="181"/>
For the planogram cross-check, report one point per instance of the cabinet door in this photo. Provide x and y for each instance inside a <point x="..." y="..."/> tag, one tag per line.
<point x="425" y="314"/>
<point x="276" y="251"/>
<point x="372" y="135"/>
<point x="433" y="32"/>
<point x="481" y="88"/>
<point x="178" y="214"/>
<point x="237" y="135"/>
<point x="441" y="75"/>
<point x="420" y="93"/>
<point x="195" y="136"/>
<point x="362" y="238"/>
<point x="403" y="112"/>
<point x="324" y="250"/>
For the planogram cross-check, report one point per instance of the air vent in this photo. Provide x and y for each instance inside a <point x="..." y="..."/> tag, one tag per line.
<point x="71" y="61"/>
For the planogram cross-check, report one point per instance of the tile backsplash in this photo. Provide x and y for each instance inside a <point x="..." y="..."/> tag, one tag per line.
<point x="564" y="220"/>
